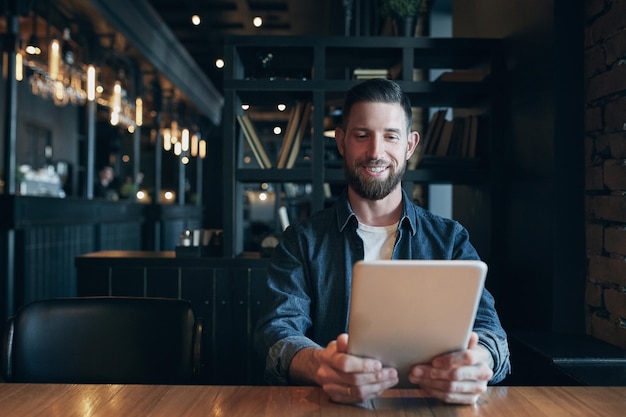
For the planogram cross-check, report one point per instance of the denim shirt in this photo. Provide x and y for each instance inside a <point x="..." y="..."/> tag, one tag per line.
<point x="309" y="279"/>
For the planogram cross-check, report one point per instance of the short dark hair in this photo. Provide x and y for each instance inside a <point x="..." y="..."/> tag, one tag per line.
<point x="377" y="90"/>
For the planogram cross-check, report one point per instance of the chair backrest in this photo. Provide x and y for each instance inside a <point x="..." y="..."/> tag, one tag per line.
<point x="103" y="340"/>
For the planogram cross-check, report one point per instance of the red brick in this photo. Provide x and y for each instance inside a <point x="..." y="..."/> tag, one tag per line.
<point x="593" y="295"/>
<point x="593" y="120"/>
<point x="594" y="178"/>
<point x="593" y="8"/>
<point x="606" y="270"/>
<point x="611" y="144"/>
<point x="615" y="302"/>
<point x="615" y="47"/>
<point x="595" y="61"/>
<point x="607" y="83"/>
<point x="594" y="236"/>
<point x="615" y="174"/>
<point x="612" y="208"/>
<point x="608" y="331"/>
<point x="614" y="114"/>
<point x="615" y="240"/>
<point x="616" y="144"/>
<point x="610" y="23"/>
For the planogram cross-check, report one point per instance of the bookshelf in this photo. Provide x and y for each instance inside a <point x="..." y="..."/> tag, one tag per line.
<point x="315" y="73"/>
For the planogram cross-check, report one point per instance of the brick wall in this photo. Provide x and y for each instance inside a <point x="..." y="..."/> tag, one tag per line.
<point x="605" y="153"/>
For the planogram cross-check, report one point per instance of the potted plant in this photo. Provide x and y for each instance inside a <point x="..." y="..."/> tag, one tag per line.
<point x="403" y="12"/>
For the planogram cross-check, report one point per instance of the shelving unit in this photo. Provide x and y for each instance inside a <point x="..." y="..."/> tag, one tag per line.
<point x="265" y="71"/>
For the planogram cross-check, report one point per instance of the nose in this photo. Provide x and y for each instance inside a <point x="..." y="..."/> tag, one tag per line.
<point x="375" y="148"/>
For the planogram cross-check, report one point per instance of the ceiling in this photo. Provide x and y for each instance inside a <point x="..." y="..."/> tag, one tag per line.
<point x="220" y="18"/>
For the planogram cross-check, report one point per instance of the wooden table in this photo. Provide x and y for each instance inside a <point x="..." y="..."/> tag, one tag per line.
<point x="51" y="400"/>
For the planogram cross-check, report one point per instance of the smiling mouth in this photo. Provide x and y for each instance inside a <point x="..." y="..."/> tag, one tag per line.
<point x="375" y="169"/>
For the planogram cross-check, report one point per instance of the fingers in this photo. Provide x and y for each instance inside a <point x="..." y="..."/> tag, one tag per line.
<point x="358" y="391"/>
<point x="348" y="378"/>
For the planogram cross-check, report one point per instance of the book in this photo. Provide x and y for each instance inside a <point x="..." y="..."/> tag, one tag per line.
<point x="290" y="133"/>
<point x="253" y="141"/>
<point x="367" y="73"/>
<point x="433" y="131"/>
<point x="473" y="137"/>
<point x="467" y="126"/>
<point x="456" y="142"/>
<point x="295" y="148"/>
<point x="445" y="138"/>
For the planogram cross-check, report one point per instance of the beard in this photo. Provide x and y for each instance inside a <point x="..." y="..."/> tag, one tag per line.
<point x="373" y="188"/>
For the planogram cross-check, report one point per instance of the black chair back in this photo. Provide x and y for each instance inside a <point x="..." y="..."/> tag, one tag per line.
<point x="103" y="340"/>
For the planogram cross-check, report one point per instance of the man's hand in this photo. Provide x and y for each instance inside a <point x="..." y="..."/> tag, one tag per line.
<point x="459" y="377"/>
<point x="345" y="378"/>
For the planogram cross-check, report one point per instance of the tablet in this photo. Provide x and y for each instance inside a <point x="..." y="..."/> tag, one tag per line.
<point x="406" y="312"/>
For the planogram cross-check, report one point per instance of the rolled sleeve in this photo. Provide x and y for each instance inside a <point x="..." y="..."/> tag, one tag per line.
<point x="279" y="358"/>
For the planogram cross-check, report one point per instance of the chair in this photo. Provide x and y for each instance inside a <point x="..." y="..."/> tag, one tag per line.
<point x="103" y="340"/>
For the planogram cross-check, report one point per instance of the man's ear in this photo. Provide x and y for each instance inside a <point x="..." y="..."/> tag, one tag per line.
<point x="413" y="140"/>
<point x="339" y="139"/>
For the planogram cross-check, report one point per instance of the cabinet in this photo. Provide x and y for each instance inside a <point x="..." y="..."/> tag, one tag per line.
<point x="263" y="72"/>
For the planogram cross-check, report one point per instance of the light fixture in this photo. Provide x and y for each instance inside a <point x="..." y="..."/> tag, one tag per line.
<point x="19" y="67"/>
<point x="91" y="83"/>
<point x="194" y="145"/>
<point x="202" y="150"/>
<point x="138" y="111"/>
<point x="195" y="20"/>
<point x="32" y="46"/>
<point x="184" y="139"/>
<point x="257" y="21"/>
<point x="219" y="63"/>
<point x="116" y="103"/>
<point x="281" y="107"/>
<point x="54" y="57"/>
<point x="167" y="139"/>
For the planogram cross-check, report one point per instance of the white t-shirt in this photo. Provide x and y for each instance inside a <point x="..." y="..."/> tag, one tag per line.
<point x="378" y="241"/>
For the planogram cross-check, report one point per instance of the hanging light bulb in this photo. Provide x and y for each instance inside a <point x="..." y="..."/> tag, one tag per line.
<point x="91" y="83"/>
<point x="167" y="139"/>
<point x="194" y="145"/>
<point x="138" y="111"/>
<point x="54" y="59"/>
<point x="202" y="150"/>
<point x="116" y="103"/>
<point x="32" y="46"/>
<point x="185" y="140"/>
<point x="19" y="67"/>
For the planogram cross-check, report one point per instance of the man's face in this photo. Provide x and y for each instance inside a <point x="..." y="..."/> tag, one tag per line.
<point x="375" y="147"/>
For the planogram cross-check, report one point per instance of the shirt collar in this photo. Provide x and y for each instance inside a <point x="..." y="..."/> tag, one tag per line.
<point x="345" y="213"/>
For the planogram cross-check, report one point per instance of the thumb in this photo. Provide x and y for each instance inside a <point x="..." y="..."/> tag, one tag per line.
<point x="473" y="341"/>
<point x="342" y="343"/>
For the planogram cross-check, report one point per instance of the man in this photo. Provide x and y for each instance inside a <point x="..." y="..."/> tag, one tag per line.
<point x="301" y="332"/>
<point x="105" y="186"/>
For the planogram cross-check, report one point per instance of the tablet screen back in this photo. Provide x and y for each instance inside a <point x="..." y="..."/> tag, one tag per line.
<point x="405" y="312"/>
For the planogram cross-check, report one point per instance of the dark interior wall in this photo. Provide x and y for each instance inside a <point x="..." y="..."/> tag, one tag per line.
<point x="544" y="272"/>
